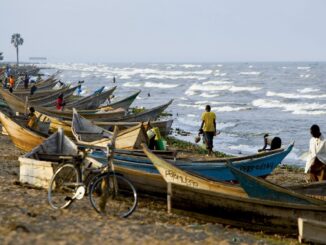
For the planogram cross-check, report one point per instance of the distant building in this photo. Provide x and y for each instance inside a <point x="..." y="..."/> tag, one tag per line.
<point x="38" y="60"/>
<point x="1" y="56"/>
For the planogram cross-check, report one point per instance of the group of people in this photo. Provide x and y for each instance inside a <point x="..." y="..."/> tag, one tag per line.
<point x="316" y="161"/>
<point x="10" y="83"/>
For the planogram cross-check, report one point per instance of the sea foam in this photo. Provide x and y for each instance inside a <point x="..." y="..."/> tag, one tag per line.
<point x="295" y="96"/>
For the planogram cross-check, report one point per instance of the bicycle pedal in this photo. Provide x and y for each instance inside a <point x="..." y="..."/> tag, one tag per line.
<point x="80" y="192"/>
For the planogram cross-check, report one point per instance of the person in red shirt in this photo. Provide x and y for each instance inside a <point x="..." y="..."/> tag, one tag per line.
<point x="60" y="103"/>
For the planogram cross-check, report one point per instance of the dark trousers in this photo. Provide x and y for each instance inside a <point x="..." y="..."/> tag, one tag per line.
<point x="209" y="140"/>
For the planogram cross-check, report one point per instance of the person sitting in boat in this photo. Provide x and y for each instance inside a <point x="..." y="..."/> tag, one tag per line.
<point x="155" y="139"/>
<point x="316" y="161"/>
<point x="31" y="119"/>
<point x="33" y="89"/>
<point x="208" y="128"/>
<point x="60" y="103"/>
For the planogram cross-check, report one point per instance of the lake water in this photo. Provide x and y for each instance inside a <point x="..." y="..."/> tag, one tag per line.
<point x="249" y="99"/>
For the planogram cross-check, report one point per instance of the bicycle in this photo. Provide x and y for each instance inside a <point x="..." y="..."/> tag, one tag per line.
<point x="109" y="192"/>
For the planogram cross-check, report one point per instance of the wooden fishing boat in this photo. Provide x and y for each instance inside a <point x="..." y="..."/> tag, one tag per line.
<point x="116" y="115"/>
<point x="50" y="100"/>
<point x="146" y="115"/>
<point x="138" y="168"/>
<point x="86" y="133"/>
<point x="18" y="105"/>
<point x="314" y="189"/>
<point x="92" y="101"/>
<point x="227" y="208"/>
<point x="22" y="137"/>
<point x="261" y="164"/>
<point x="37" y="166"/>
<point x="56" y="123"/>
<point x="89" y="114"/>
<point x="172" y="174"/>
<point x="41" y="85"/>
<point x="123" y="103"/>
<point x="164" y="126"/>
<point x="38" y="94"/>
<point x="263" y="189"/>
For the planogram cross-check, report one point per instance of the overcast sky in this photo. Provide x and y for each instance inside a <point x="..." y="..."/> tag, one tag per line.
<point x="165" y="30"/>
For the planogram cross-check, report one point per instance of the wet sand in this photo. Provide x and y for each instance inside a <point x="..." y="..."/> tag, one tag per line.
<point x="26" y="217"/>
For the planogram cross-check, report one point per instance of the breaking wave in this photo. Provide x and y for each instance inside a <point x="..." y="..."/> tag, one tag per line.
<point x="295" y="96"/>
<point x="294" y="108"/>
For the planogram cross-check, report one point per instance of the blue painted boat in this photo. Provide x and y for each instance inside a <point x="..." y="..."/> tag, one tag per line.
<point x="261" y="164"/>
<point x="263" y="189"/>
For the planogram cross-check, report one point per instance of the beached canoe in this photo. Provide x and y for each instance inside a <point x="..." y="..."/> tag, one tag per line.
<point x="250" y="213"/>
<point x="123" y="103"/>
<point x="260" y="188"/>
<point x="261" y="164"/>
<point x="41" y="85"/>
<point x="86" y="133"/>
<point x="22" y="137"/>
<point x="137" y="167"/>
<point x="38" y="165"/>
<point x="38" y="94"/>
<point x="17" y="105"/>
<point x="56" y="123"/>
<point x="50" y="100"/>
<point x="92" y="101"/>
<point x="108" y="116"/>
<point x="164" y="125"/>
<point x="146" y="115"/>
<point x="314" y="189"/>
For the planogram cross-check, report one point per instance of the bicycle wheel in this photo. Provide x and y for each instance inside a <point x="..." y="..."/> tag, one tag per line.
<point x="119" y="193"/>
<point x="63" y="186"/>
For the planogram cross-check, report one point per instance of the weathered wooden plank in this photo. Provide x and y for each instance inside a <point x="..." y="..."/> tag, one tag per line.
<point x="34" y="172"/>
<point x="311" y="231"/>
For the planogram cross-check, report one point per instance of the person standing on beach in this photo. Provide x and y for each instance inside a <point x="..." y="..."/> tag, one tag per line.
<point x="26" y="81"/>
<point x="208" y="127"/>
<point x="316" y="161"/>
<point x="113" y="80"/>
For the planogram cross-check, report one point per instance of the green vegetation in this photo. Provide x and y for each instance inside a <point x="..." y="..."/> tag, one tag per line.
<point x="137" y="109"/>
<point x="292" y="168"/>
<point x="190" y="147"/>
<point x="165" y="114"/>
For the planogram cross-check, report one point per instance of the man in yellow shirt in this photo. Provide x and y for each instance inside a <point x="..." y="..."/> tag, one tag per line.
<point x="208" y="128"/>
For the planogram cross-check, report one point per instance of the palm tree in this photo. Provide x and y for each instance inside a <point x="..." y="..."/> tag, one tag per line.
<point x="17" y="40"/>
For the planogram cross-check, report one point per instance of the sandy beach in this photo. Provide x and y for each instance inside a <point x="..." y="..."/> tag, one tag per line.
<point x="26" y="217"/>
